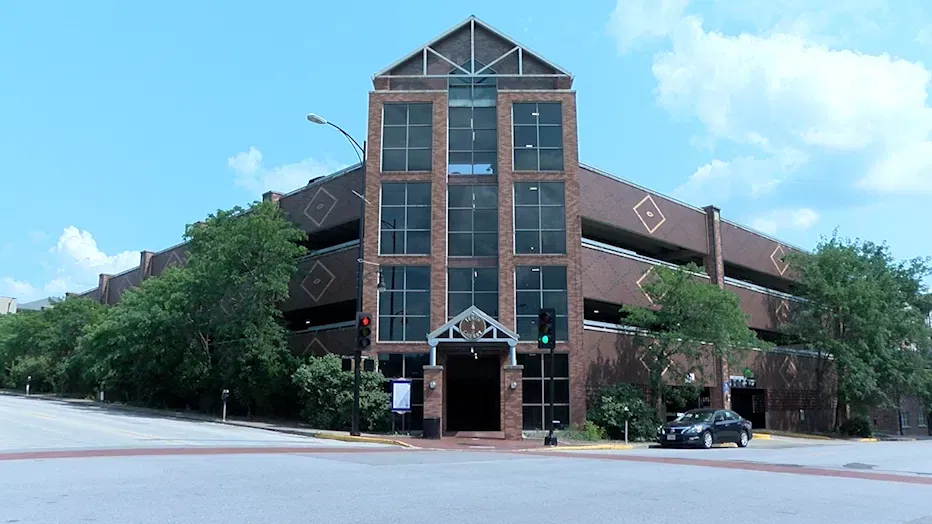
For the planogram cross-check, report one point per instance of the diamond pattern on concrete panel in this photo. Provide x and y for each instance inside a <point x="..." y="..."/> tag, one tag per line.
<point x="788" y="371"/>
<point x="320" y="206"/>
<point x="777" y="258"/>
<point x="317" y="281"/>
<point x="663" y="373"/>
<point x="315" y="343"/>
<point x="649" y="214"/>
<point x="604" y="278"/>
<point x="646" y="278"/>
<point x="782" y="311"/>
<point x="174" y="260"/>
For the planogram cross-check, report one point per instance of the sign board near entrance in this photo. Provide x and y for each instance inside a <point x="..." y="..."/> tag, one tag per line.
<point x="401" y="395"/>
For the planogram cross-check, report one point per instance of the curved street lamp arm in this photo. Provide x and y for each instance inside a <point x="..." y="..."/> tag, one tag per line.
<point x="361" y="151"/>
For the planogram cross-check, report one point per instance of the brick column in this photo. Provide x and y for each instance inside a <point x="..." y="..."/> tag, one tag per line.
<point x="103" y="286"/>
<point x="271" y="196"/>
<point x="145" y="264"/>
<point x="433" y="397"/>
<point x="715" y="266"/>
<point x="511" y="402"/>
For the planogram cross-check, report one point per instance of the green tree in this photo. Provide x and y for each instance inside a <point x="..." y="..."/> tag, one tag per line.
<point x="182" y="337"/>
<point x="42" y="344"/>
<point x="690" y="324"/>
<point x="863" y="310"/>
<point x="326" y="393"/>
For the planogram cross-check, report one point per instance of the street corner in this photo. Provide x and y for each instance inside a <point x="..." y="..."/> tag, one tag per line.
<point x="327" y="435"/>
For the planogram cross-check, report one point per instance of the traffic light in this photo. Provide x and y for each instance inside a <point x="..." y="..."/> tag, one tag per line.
<point x="546" y="328"/>
<point x="363" y="330"/>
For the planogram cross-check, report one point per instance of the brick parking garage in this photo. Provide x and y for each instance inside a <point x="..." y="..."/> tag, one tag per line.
<point x="478" y="213"/>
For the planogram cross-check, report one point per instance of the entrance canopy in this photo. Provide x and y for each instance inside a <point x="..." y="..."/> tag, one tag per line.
<point x="471" y="326"/>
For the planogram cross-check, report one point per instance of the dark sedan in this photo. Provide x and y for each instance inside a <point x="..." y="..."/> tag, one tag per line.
<point x="704" y="427"/>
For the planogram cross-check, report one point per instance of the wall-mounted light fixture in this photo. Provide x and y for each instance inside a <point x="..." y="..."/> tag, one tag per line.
<point x="513" y="385"/>
<point x="432" y="384"/>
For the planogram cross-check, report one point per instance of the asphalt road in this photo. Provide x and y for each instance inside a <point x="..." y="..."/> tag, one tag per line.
<point x="333" y="482"/>
<point x="40" y="424"/>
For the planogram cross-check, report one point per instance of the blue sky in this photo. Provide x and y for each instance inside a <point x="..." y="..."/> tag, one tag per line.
<point x="123" y="121"/>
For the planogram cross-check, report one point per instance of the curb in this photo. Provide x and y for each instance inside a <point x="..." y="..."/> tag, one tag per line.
<point x="581" y="447"/>
<point x="351" y="438"/>
<point x="760" y="436"/>
<point x="766" y="435"/>
<point x="869" y="439"/>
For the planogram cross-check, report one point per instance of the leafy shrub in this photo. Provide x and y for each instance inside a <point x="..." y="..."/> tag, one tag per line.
<point x="858" y="426"/>
<point x="615" y="404"/>
<point x="326" y="393"/>
<point x="38" y="367"/>
<point x="588" y="431"/>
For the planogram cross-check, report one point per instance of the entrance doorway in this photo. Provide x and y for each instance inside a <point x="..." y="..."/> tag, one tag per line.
<point x="472" y="388"/>
<point x="750" y="404"/>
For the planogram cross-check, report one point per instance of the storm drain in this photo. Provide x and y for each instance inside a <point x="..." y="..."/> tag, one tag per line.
<point x="859" y="465"/>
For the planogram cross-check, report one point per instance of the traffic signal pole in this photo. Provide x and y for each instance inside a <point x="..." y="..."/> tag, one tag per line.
<point x="363" y="341"/>
<point x="547" y="339"/>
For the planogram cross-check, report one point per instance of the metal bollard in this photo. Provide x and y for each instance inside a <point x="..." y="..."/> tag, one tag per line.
<point x="28" y="380"/>
<point x="224" y="395"/>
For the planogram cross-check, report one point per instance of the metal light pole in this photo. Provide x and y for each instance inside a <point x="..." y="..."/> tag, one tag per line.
<point x="357" y="352"/>
<point x="553" y="366"/>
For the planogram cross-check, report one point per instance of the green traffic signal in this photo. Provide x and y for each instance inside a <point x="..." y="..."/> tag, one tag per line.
<point x="545" y="339"/>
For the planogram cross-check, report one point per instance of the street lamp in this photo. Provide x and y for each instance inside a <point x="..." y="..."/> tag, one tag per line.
<point x="357" y="352"/>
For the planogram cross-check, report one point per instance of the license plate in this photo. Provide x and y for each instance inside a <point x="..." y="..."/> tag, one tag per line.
<point x="671" y="437"/>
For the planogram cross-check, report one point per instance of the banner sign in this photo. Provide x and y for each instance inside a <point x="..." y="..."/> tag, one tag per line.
<point x="401" y="395"/>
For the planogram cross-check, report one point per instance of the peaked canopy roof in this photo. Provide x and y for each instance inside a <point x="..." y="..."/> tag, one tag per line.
<point x="493" y="332"/>
<point x="503" y="48"/>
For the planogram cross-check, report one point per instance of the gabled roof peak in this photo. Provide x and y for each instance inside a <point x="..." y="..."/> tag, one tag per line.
<point x="472" y="21"/>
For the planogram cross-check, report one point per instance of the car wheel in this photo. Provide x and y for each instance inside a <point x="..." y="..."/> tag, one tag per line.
<point x="743" y="439"/>
<point x="707" y="440"/>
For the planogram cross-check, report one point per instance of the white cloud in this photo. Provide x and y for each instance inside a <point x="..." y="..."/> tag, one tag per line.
<point x="257" y="178"/>
<point x="747" y="177"/>
<point x="246" y="162"/>
<point x="19" y="289"/>
<point x="78" y="262"/>
<point x="780" y="91"/>
<point x="80" y="251"/>
<point x="633" y="20"/>
<point x="783" y="219"/>
<point x="907" y="169"/>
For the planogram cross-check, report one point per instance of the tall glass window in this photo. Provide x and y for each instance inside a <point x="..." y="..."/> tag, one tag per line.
<point x="540" y="218"/>
<point x="407" y="131"/>
<point x="472" y="124"/>
<point x="404" y="307"/>
<point x="404" y="227"/>
<point x="538" y="136"/>
<point x="472" y="221"/>
<point x="537" y="287"/>
<point x="472" y="287"/>
<point x="536" y="390"/>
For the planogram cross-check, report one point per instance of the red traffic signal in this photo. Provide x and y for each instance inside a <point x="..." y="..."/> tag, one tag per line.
<point x="363" y="330"/>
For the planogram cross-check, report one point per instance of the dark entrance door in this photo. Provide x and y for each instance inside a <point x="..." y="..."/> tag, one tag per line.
<point x="749" y="403"/>
<point x="472" y="390"/>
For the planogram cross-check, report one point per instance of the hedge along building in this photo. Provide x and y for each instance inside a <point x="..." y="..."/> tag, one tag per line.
<point x="478" y="213"/>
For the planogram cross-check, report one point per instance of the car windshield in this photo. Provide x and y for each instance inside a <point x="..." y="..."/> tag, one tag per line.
<point x="696" y="416"/>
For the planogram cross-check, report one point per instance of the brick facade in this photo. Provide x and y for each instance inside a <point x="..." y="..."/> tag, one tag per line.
<point x="596" y="357"/>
